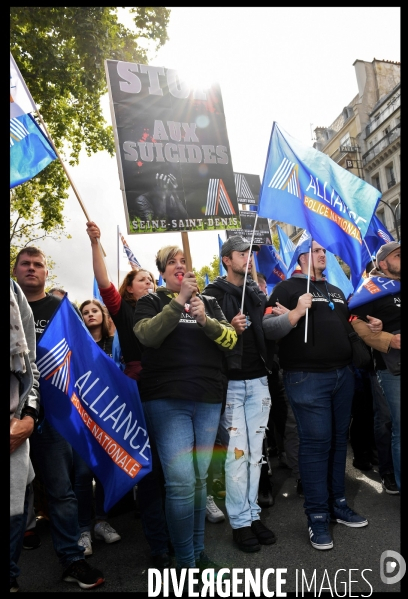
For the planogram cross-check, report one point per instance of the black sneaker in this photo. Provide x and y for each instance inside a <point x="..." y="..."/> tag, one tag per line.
<point x="299" y="488"/>
<point x="389" y="484"/>
<point x="14" y="588"/>
<point x="31" y="540"/>
<point x="83" y="574"/>
<point x="204" y="562"/>
<point x="263" y="534"/>
<point x="160" y="561"/>
<point x="363" y="464"/>
<point x="246" y="539"/>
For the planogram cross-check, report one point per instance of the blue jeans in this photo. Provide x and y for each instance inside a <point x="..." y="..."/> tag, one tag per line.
<point x="151" y="499"/>
<point x="184" y="433"/>
<point x="83" y="488"/>
<point x="53" y="456"/>
<point x="321" y="402"/>
<point x="242" y="429"/>
<point x="391" y="385"/>
<point x="18" y="525"/>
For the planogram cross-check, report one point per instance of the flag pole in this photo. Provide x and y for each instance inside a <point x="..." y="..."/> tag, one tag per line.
<point x="67" y="173"/>
<point x="186" y="251"/>
<point x="247" y="264"/>
<point x="307" y="289"/>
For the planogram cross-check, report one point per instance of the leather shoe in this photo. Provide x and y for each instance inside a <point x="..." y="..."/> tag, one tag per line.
<point x="245" y="539"/>
<point x="362" y="464"/>
<point x="263" y="534"/>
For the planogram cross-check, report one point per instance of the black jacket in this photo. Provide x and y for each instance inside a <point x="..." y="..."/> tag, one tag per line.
<point x="229" y="297"/>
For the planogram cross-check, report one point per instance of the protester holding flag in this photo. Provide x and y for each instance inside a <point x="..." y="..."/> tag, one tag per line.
<point x="50" y="452"/>
<point x="248" y="400"/>
<point x="380" y="297"/>
<point x="24" y="407"/>
<point x="96" y="319"/>
<point x="182" y="391"/>
<point x="319" y="381"/>
<point x="121" y="305"/>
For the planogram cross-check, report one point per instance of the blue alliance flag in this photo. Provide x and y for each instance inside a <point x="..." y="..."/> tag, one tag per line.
<point x="92" y="404"/>
<point x="271" y="265"/>
<point x="304" y="187"/>
<point x="333" y="271"/>
<point x="286" y="246"/>
<point x="373" y="288"/>
<point x="30" y="150"/>
<point x="376" y="236"/>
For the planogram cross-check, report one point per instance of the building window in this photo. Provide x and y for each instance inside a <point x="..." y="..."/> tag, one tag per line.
<point x="376" y="182"/>
<point x="389" y="170"/>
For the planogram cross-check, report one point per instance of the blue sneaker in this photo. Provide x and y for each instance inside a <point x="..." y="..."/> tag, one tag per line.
<point x="341" y="513"/>
<point x="320" y="537"/>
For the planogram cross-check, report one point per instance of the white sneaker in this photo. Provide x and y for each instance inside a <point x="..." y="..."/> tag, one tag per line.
<point x="212" y="512"/>
<point x="85" y="540"/>
<point x="104" y="532"/>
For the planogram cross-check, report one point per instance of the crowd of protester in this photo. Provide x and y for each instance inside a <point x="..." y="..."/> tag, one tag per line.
<point x="226" y="380"/>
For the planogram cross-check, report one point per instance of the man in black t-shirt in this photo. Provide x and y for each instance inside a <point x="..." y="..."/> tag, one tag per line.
<point x="319" y="382"/>
<point x="51" y="453"/>
<point x="381" y="298"/>
<point x="244" y="420"/>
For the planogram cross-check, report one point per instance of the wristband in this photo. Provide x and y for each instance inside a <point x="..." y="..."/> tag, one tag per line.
<point x="30" y="412"/>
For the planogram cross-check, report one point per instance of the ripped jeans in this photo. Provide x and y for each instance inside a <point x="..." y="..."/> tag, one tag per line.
<point x="242" y="428"/>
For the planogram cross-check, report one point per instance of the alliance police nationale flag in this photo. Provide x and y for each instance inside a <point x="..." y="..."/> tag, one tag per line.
<point x="374" y="288"/>
<point x="269" y="263"/>
<point x="92" y="404"/>
<point x="286" y="246"/>
<point x="306" y="188"/>
<point x="333" y="272"/>
<point x="376" y="236"/>
<point x="30" y="150"/>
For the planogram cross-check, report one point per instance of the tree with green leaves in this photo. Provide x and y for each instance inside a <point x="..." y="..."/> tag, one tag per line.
<point x="60" y="52"/>
<point x="212" y="271"/>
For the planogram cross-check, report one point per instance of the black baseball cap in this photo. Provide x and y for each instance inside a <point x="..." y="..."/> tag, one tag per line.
<point x="236" y="243"/>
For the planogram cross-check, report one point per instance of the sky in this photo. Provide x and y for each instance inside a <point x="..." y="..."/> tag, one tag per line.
<point x="289" y="65"/>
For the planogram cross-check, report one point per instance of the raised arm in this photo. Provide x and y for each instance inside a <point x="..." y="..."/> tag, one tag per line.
<point x="99" y="266"/>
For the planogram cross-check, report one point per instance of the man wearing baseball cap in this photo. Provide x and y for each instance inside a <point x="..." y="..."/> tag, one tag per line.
<point x="380" y="297"/>
<point x="246" y="413"/>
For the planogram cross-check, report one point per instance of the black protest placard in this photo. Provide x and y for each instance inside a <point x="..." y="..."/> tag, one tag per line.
<point x="248" y="188"/>
<point x="173" y="151"/>
<point x="262" y="234"/>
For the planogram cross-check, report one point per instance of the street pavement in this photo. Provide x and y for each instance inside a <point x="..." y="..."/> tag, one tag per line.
<point x="352" y="568"/>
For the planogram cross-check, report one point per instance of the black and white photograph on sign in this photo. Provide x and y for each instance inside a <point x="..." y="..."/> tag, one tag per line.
<point x="248" y="188"/>
<point x="173" y="152"/>
<point x="262" y="235"/>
